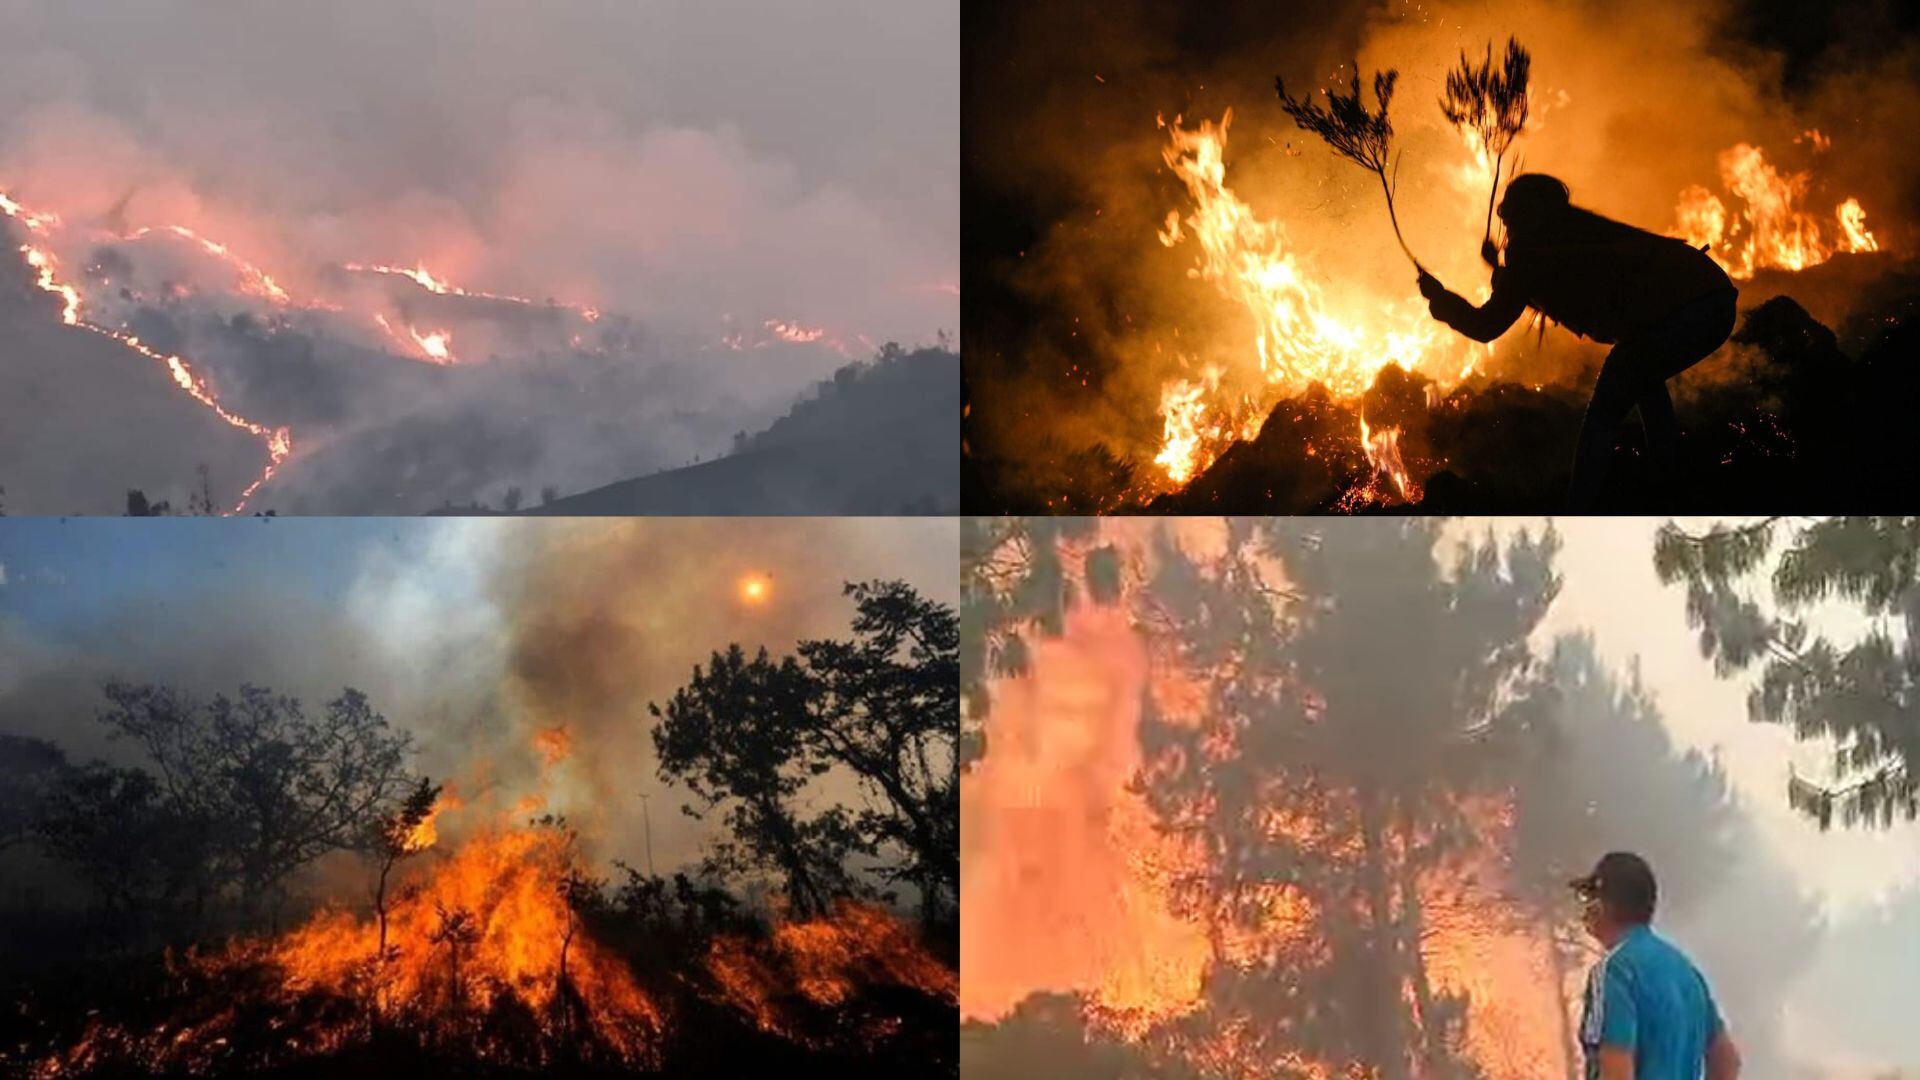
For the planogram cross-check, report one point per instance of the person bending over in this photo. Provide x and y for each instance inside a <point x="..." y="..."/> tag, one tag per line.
<point x="1662" y="304"/>
<point x="1648" y="1013"/>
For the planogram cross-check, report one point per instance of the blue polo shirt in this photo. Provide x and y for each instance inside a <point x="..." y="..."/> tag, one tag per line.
<point x="1647" y="997"/>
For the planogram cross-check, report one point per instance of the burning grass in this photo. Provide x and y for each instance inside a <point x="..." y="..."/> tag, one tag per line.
<point x="500" y="962"/>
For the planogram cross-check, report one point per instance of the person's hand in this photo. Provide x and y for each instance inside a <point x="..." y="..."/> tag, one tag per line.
<point x="1430" y="287"/>
<point x="1489" y="254"/>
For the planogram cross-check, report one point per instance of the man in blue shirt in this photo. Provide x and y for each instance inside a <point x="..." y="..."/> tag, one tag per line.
<point x="1648" y="1013"/>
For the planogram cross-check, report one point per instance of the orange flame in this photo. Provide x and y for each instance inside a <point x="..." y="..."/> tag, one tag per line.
<point x="508" y="885"/>
<point x="1301" y="333"/>
<point x="1063" y="883"/>
<point x="823" y="962"/>
<point x="555" y="744"/>
<point x="278" y="441"/>
<point x="1772" y="231"/>
<point x="1064" y="872"/>
<point x="1383" y="453"/>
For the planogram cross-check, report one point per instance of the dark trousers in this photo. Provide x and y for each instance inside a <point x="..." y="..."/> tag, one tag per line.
<point x="1635" y="376"/>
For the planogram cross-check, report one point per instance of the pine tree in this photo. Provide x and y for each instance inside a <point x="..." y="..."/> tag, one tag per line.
<point x="1862" y="697"/>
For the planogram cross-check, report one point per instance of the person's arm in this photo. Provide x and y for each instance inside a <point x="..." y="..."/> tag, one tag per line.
<point x="1723" y="1058"/>
<point x="1483" y="323"/>
<point x="1615" y="1022"/>
<point x="1616" y="1063"/>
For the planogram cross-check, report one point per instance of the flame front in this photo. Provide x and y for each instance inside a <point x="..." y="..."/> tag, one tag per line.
<point x="508" y="884"/>
<point x="1772" y="230"/>
<point x="820" y="964"/>
<point x="1302" y="335"/>
<point x="278" y="441"/>
<point x="429" y="343"/>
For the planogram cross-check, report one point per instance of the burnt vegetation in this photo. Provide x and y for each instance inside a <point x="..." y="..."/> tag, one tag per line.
<point x="253" y="885"/>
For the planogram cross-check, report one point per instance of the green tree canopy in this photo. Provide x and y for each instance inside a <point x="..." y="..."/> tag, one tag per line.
<point x="1862" y="696"/>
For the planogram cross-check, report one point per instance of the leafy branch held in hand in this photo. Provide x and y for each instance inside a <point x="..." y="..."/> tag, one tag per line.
<point x="1360" y="136"/>
<point x="1491" y="104"/>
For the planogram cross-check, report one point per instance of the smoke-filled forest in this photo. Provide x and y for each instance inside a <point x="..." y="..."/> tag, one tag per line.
<point x="1204" y="242"/>
<point x="1302" y="797"/>
<point x="620" y="799"/>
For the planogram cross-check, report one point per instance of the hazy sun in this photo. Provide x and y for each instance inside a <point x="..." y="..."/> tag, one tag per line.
<point x="755" y="589"/>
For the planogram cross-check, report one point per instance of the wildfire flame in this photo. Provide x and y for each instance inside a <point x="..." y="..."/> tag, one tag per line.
<point x="1065" y="876"/>
<point x="1383" y="453"/>
<point x="508" y="883"/>
<point x="433" y="343"/>
<point x="1772" y="230"/>
<point x="822" y="963"/>
<point x="1301" y="334"/>
<point x="278" y="441"/>
<point x="555" y="744"/>
<point x="1063" y="885"/>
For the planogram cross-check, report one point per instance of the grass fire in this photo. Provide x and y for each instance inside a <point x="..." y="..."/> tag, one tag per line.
<point x="602" y="850"/>
<point x="1189" y="300"/>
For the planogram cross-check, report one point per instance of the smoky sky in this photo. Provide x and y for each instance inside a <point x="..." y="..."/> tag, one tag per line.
<point x="693" y="170"/>
<point x="661" y="157"/>
<point x="473" y="635"/>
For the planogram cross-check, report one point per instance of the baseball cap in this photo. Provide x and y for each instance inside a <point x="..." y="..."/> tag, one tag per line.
<point x="1623" y="881"/>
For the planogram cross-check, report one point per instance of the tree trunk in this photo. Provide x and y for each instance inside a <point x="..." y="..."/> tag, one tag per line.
<point x="1382" y="1026"/>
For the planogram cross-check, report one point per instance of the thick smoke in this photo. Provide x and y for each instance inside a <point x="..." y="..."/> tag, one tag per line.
<point x="607" y="617"/>
<point x="474" y="635"/>
<point x="698" y="169"/>
<point x="1081" y="314"/>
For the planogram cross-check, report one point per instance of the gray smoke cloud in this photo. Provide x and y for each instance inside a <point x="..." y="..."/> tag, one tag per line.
<point x="696" y="168"/>
<point x="472" y="635"/>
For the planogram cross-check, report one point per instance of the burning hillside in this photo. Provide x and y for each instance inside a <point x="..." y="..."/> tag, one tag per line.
<point x="1206" y="310"/>
<point x="169" y="278"/>
<point x="559" y="255"/>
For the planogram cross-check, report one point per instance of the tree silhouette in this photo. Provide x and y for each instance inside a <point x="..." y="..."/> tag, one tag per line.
<point x="1329" y="767"/>
<point x="881" y="707"/>
<point x="29" y="768"/>
<point x="272" y="787"/>
<point x="1862" y="698"/>
<point x="459" y="932"/>
<point x="118" y="832"/>
<point x="396" y="836"/>
<point x="733" y="735"/>
<point x="884" y="706"/>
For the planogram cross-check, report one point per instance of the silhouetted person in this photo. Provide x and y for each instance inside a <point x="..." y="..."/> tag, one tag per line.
<point x="1649" y="1014"/>
<point x="1661" y="303"/>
